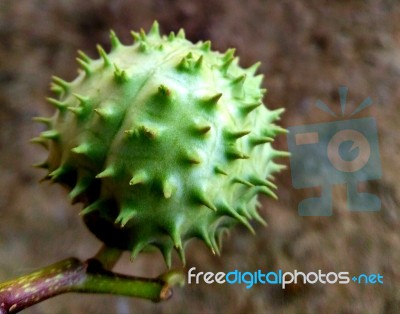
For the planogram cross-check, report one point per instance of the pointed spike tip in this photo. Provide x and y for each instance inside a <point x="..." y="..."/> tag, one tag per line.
<point x="207" y="240"/>
<point x="56" y="89"/>
<point x="192" y="157"/>
<point x="225" y="66"/>
<point x="167" y="254"/>
<point x="253" y="69"/>
<point x="124" y="217"/>
<point x="199" y="62"/>
<point x="142" y="34"/>
<point x="280" y="153"/>
<point x="137" y="249"/>
<point x="83" y="101"/>
<point x="56" y="174"/>
<point x="84" y="56"/>
<point x="81" y="186"/>
<point x="115" y="43"/>
<point x="219" y="170"/>
<point x="50" y="135"/>
<point x="236" y="154"/>
<point x="258" y="218"/>
<point x="61" y="83"/>
<point x="181" y="253"/>
<point x="82" y="149"/>
<point x="176" y="238"/>
<point x="148" y="132"/>
<point x="57" y="103"/>
<point x="202" y="129"/>
<point x="136" y="36"/>
<point x="44" y="120"/>
<point x="228" y="210"/>
<point x="250" y="107"/>
<point x="108" y="172"/>
<point x="184" y="64"/>
<point x="143" y="46"/>
<point x="260" y="181"/>
<point x="85" y="66"/>
<point x="229" y="54"/>
<point x="75" y="110"/>
<point x="91" y="208"/>
<point x="105" y="113"/>
<point x="171" y="36"/>
<point x="206" y="46"/>
<point x="139" y="178"/>
<point x="212" y="100"/>
<point x="103" y="55"/>
<point x="235" y="135"/>
<point x="276" y="114"/>
<point x="120" y="76"/>
<point x="261" y="140"/>
<point x="268" y="192"/>
<point x="164" y="91"/>
<point x="168" y="188"/>
<point x="181" y="34"/>
<point x="239" y="80"/>
<point x="204" y="200"/>
<point x="242" y="181"/>
<point x="42" y="165"/>
<point x="155" y="29"/>
<point x="276" y="130"/>
<point x="41" y="141"/>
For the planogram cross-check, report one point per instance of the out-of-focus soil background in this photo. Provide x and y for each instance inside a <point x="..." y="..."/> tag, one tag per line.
<point x="307" y="49"/>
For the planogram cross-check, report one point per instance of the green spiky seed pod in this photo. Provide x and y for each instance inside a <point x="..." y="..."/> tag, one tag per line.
<point x="163" y="140"/>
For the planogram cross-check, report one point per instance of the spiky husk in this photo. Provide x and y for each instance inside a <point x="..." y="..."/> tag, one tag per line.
<point x="162" y="140"/>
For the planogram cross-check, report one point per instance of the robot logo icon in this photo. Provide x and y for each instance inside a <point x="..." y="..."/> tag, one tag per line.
<point x="341" y="152"/>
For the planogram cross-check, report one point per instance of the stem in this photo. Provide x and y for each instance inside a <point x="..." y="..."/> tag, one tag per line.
<point x="99" y="280"/>
<point x="108" y="256"/>
<point x="25" y="291"/>
<point x="72" y="275"/>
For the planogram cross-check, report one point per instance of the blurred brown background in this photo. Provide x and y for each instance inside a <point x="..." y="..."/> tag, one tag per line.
<point x="307" y="49"/>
